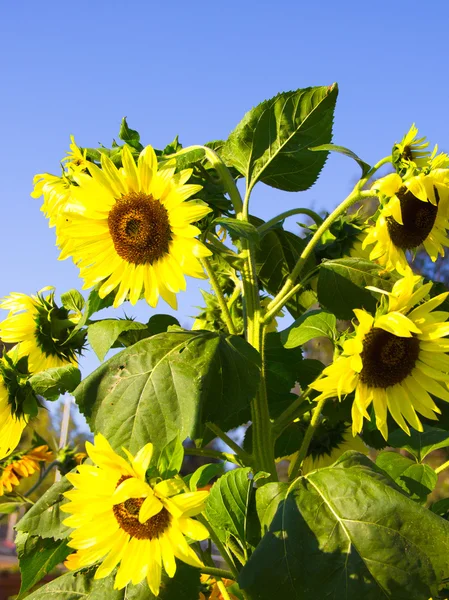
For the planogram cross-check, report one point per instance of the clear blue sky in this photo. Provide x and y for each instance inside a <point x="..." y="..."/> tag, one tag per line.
<point x="194" y="69"/>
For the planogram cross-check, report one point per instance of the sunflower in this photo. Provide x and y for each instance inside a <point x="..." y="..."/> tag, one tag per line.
<point x="131" y="228"/>
<point x="21" y="466"/>
<point x="395" y="360"/>
<point x="120" y="518"/>
<point x="414" y="212"/>
<point x="411" y="149"/>
<point x="40" y="328"/>
<point x="76" y="159"/>
<point x="11" y="426"/>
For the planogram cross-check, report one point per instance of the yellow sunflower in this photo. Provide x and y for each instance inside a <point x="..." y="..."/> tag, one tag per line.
<point x="21" y="466"/>
<point x="76" y="160"/>
<point x="132" y="229"/>
<point x="395" y="360"/>
<point x="39" y="326"/>
<point x="414" y="212"/>
<point x="412" y="149"/>
<point x="11" y="426"/>
<point x="118" y="517"/>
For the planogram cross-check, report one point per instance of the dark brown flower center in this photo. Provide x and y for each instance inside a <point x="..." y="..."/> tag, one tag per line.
<point x="387" y="359"/>
<point x="139" y="228"/>
<point x="127" y="515"/>
<point x="418" y="218"/>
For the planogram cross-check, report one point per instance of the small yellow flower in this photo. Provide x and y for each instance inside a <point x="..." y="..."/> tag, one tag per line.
<point x="118" y="517"/>
<point x="411" y="149"/>
<point x="75" y="160"/>
<point x="131" y="229"/>
<point x="395" y="360"/>
<point x="35" y="323"/>
<point x="21" y="466"/>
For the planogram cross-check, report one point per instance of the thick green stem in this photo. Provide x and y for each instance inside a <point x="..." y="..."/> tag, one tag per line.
<point x="219" y="295"/>
<point x="244" y="456"/>
<point x="442" y="467"/>
<point x="357" y="194"/>
<point x="217" y="572"/>
<point x="290" y="213"/>
<point x="314" y="421"/>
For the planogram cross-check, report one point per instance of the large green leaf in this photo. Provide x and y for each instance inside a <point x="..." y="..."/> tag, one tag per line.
<point x="103" y="334"/>
<point x="37" y="557"/>
<point x="45" y="517"/>
<point x="268" y="498"/>
<point x="81" y="585"/>
<point x="348" y="532"/>
<point x="420" y="443"/>
<point x="271" y="143"/>
<point x="169" y="383"/>
<point x="239" y="229"/>
<point x="55" y="381"/>
<point x="227" y="505"/>
<point x="316" y="323"/>
<point x="418" y="480"/>
<point x="342" y="285"/>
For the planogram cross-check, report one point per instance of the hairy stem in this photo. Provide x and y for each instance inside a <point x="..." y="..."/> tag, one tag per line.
<point x="314" y="421"/>
<point x="289" y="213"/>
<point x="217" y="572"/>
<point x="244" y="456"/>
<point x="210" y="453"/>
<point x="219" y="295"/>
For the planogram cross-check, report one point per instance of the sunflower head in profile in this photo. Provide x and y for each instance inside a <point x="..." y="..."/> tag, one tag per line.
<point x="131" y="228"/>
<point x="12" y="423"/>
<point x="22" y="465"/>
<point x="41" y="329"/>
<point x="395" y="359"/>
<point x="413" y="213"/>
<point x="411" y="149"/>
<point x="119" y="518"/>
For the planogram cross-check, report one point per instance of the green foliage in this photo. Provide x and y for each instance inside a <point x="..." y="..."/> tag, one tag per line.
<point x="346" y="152"/>
<point x="227" y="506"/>
<point x="169" y="383"/>
<point x="81" y="584"/>
<point x="56" y="381"/>
<point x="418" y="480"/>
<point x="313" y="324"/>
<point x="342" y="285"/>
<point x="271" y="143"/>
<point x="239" y="229"/>
<point x="170" y="459"/>
<point x="347" y="531"/>
<point x="203" y="475"/>
<point x="37" y="557"/>
<point x="420" y="443"/>
<point x="103" y="334"/>
<point x="73" y="300"/>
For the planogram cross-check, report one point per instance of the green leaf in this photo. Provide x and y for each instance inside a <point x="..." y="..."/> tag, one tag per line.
<point x="418" y="443"/>
<point x="276" y="257"/>
<point x="271" y="143"/>
<point x="268" y="498"/>
<point x="342" y="282"/>
<point x="37" y="557"/>
<point x="170" y="459"/>
<point x="418" y="480"/>
<point x="313" y="324"/>
<point x="81" y="585"/>
<point x="156" y="324"/>
<point x="441" y="507"/>
<point x="342" y="150"/>
<point x="103" y="334"/>
<point x="45" y="516"/>
<point x="203" y="475"/>
<point x="94" y="304"/>
<point x="73" y="300"/>
<point x="169" y="383"/>
<point x="347" y="532"/>
<point x="56" y="381"/>
<point x="130" y="136"/>
<point x="227" y="504"/>
<point x="239" y="229"/>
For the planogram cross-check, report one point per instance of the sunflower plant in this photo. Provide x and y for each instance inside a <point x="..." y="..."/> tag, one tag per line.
<point x="241" y="458"/>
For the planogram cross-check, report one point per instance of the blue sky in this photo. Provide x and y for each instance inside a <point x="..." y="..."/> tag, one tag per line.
<point x="194" y="69"/>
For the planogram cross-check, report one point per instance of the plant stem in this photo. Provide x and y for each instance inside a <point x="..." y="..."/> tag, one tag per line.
<point x="314" y="421"/>
<point x="442" y="467"/>
<point x="217" y="572"/>
<point x="357" y="194"/>
<point x="289" y="213"/>
<point x="208" y="452"/>
<point x="43" y="475"/>
<point x="220" y="296"/>
<point x="221" y="549"/>
<point x="246" y="458"/>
